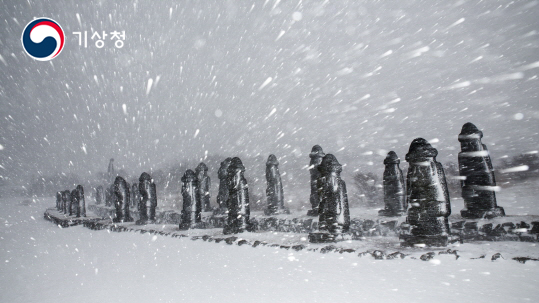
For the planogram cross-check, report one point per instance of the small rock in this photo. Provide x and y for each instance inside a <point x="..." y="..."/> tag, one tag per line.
<point x="428" y="256"/>
<point x="257" y="243"/>
<point x="496" y="256"/>
<point x="378" y="254"/>
<point x="347" y="250"/>
<point x="230" y="240"/>
<point x="327" y="249"/>
<point x="242" y="242"/>
<point x="298" y="247"/>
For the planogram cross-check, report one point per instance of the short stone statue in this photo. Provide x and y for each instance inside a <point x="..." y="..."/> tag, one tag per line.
<point x="82" y="201"/>
<point x="203" y="184"/>
<point x="222" y="196"/>
<point x="58" y="200"/>
<point x="135" y="195"/>
<point x="274" y="190"/>
<point x="75" y="208"/>
<point x="394" y="188"/>
<point x="99" y="195"/>
<point x="148" y="199"/>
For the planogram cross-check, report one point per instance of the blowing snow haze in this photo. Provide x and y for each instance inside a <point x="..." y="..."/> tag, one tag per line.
<point x="228" y="78"/>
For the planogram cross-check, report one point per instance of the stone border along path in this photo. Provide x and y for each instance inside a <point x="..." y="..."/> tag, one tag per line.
<point x="94" y="223"/>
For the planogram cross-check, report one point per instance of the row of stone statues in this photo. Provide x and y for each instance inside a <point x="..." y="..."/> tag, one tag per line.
<point x="71" y="202"/>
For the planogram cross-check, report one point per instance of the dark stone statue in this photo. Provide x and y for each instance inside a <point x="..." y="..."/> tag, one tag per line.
<point x="109" y="195"/>
<point x="99" y="195"/>
<point x="121" y="193"/>
<point x="316" y="156"/>
<point x="148" y="199"/>
<point x="59" y="201"/>
<point x="238" y="199"/>
<point x="394" y="191"/>
<point x="428" y="197"/>
<point x="66" y="201"/>
<point x="222" y="196"/>
<point x="192" y="206"/>
<point x="334" y="213"/>
<point x="82" y="201"/>
<point x="135" y="196"/>
<point x="203" y="184"/>
<point x="478" y="183"/>
<point x="75" y="208"/>
<point x="274" y="191"/>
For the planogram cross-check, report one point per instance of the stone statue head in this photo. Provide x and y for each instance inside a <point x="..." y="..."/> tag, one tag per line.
<point x="392" y="158"/>
<point x="470" y="138"/>
<point x="420" y="150"/>
<point x="272" y="160"/>
<point x="188" y="176"/>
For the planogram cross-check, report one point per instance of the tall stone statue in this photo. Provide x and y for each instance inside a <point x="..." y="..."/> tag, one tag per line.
<point x="316" y="156"/>
<point x="66" y="201"/>
<point x="99" y="195"/>
<point x="121" y="194"/>
<point x="394" y="188"/>
<point x="334" y="213"/>
<point x="58" y="200"/>
<point x="274" y="190"/>
<point x="203" y="185"/>
<point x="222" y="196"/>
<point x="148" y="199"/>
<point x="74" y="209"/>
<point x="135" y="195"/>
<point x="191" y="205"/>
<point x="82" y="200"/>
<point x="428" y="197"/>
<point x="238" y="199"/>
<point x="478" y="183"/>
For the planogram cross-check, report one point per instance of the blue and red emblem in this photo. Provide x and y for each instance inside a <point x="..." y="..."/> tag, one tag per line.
<point x="43" y="39"/>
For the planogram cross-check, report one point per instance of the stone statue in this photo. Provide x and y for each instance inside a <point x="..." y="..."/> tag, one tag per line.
<point x="316" y="156"/>
<point x="82" y="200"/>
<point x="334" y="213"/>
<point x="192" y="206"/>
<point x="428" y="197"/>
<point x="394" y="188"/>
<point x="99" y="195"/>
<point x="274" y="190"/>
<point x="203" y="185"/>
<point x="238" y="199"/>
<point x="135" y="195"/>
<point x="148" y="199"/>
<point x="109" y="195"/>
<point x="222" y="196"/>
<point x="478" y="183"/>
<point x="74" y="209"/>
<point x="66" y="201"/>
<point x="59" y="201"/>
<point x="121" y="193"/>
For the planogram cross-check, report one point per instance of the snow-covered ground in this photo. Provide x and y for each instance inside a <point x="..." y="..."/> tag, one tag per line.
<point x="41" y="262"/>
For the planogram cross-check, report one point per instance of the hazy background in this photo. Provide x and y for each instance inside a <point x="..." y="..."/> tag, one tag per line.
<point x="250" y="78"/>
